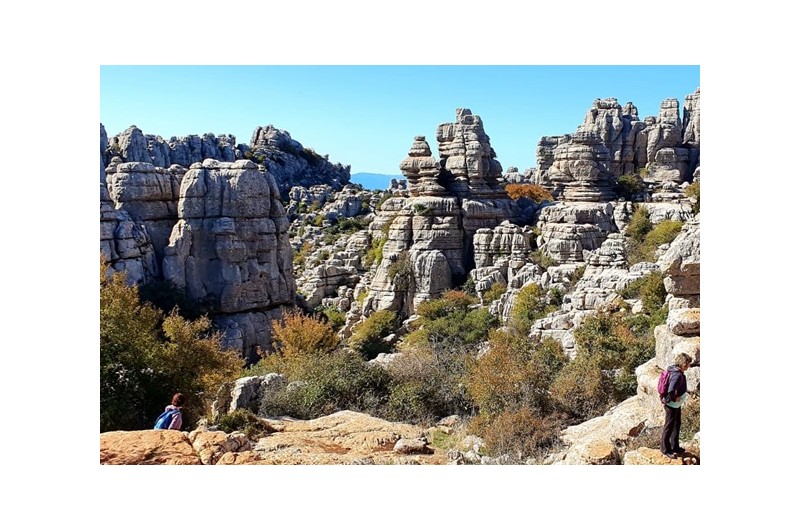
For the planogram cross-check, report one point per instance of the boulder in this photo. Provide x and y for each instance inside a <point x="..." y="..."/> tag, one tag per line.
<point x="147" y="448"/>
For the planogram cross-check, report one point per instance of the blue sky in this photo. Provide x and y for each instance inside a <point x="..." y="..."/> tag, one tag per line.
<point x="367" y="116"/>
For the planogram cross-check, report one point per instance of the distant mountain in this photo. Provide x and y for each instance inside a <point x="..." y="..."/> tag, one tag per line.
<point x="374" y="181"/>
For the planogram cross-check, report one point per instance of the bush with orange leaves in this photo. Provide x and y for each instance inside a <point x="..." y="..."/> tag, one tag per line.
<point x="299" y="342"/>
<point x="514" y="373"/>
<point x="534" y="192"/>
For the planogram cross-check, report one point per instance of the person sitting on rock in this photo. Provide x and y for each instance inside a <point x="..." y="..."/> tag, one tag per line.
<point x="172" y="417"/>
<point x="673" y="401"/>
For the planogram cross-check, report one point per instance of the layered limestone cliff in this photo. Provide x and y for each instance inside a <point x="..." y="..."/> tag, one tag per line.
<point x="286" y="159"/>
<point x="612" y="141"/>
<point x="215" y="227"/>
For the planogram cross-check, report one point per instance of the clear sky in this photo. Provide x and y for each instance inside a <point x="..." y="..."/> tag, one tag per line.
<point x="367" y="116"/>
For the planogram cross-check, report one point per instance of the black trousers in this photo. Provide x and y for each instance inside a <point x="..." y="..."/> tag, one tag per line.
<point x="672" y="429"/>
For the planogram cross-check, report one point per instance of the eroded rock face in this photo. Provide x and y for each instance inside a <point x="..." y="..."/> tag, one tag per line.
<point x="229" y="247"/>
<point x="132" y="145"/>
<point x="468" y="158"/>
<point x="569" y="230"/>
<point x="681" y="266"/>
<point x="421" y="170"/>
<point x="613" y="141"/>
<point x="616" y="127"/>
<point x="124" y="244"/>
<point x="149" y="195"/>
<point x="291" y="164"/>
<point x="681" y="334"/>
<point x="581" y="170"/>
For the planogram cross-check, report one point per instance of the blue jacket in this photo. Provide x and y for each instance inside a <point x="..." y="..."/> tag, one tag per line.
<point x="677" y="384"/>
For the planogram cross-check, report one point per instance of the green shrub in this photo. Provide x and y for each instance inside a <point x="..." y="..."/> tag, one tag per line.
<point x="640" y="225"/>
<point x="410" y="401"/>
<point x="575" y="277"/>
<point x="618" y="342"/>
<point x="582" y="389"/>
<point x="299" y="342"/>
<point x="339" y="381"/>
<point x="494" y="293"/>
<point x="302" y="254"/>
<point x="690" y="418"/>
<point x="335" y="318"/>
<point x="645" y="238"/>
<point x="530" y="304"/>
<point x="517" y="433"/>
<point x="542" y="259"/>
<point x="375" y="252"/>
<point x="650" y="290"/>
<point x="421" y="209"/>
<point x="629" y="186"/>
<point x="246" y="422"/>
<point x="368" y="335"/>
<point x="401" y="271"/>
<point x="426" y="383"/>
<point x="449" y="318"/>
<point x="514" y="373"/>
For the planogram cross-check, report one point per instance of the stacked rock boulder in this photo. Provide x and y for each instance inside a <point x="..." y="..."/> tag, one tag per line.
<point x="429" y="235"/>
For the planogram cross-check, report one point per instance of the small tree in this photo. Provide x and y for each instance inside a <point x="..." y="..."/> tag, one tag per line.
<point x="368" y="335"/>
<point x="298" y="342"/>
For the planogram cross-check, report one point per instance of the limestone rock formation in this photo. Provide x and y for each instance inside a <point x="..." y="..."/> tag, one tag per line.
<point x="132" y="145"/>
<point x="681" y="265"/>
<point x="291" y="164"/>
<point x="124" y="244"/>
<point x="467" y="157"/>
<point x="342" y="438"/>
<point x="581" y="170"/>
<point x="210" y="446"/>
<point x="432" y="232"/>
<point x="545" y="156"/>
<point x="664" y="149"/>
<point x="616" y="127"/>
<point x="570" y="229"/>
<point x="229" y="247"/>
<point x="421" y="170"/>
<point x="149" y="194"/>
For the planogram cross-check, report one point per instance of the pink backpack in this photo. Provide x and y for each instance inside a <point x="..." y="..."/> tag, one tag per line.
<point x="663" y="384"/>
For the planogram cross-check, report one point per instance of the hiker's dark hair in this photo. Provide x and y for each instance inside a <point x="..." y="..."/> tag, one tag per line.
<point x="178" y="400"/>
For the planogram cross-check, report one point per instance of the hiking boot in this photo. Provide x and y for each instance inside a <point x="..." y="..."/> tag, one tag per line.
<point x="673" y="456"/>
<point x="680" y="451"/>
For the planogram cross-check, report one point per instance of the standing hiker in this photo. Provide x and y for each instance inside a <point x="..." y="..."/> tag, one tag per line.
<point x="172" y="417"/>
<point x="673" y="399"/>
